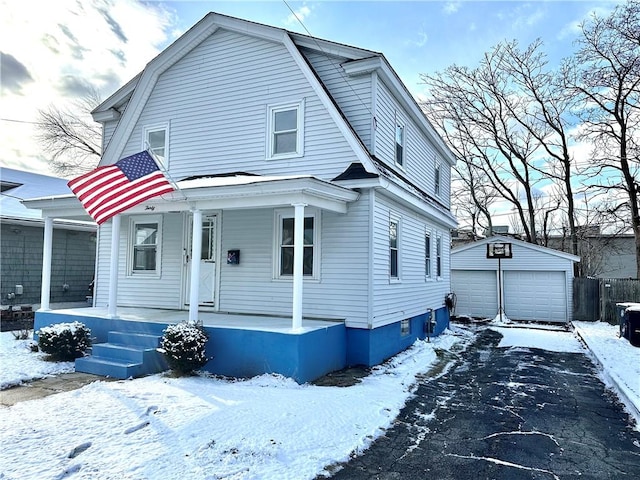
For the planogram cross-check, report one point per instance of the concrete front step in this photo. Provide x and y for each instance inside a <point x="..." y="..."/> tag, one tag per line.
<point x="133" y="339"/>
<point x="125" y="355"/>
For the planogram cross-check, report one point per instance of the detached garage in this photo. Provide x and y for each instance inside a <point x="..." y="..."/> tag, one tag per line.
<point x="537" y="282"/>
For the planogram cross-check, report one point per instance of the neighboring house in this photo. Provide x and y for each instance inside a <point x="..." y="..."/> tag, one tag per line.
<point x="22" y="233"/>
<point x="264" y="131"/>
<point x="603" y="255"/>
<point x="535" y="284"/>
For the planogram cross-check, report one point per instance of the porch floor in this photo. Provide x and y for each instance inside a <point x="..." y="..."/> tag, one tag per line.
<point x="241" y="321"/>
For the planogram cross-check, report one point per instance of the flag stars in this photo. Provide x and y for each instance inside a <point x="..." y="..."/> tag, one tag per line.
<point x="137" y="165"/>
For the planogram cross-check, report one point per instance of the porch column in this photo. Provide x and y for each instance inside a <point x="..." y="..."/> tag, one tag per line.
<point x="113" y="266"/>
<point x="196" y="254"/>
<point x="298" y="255"/>
<point x="47" y="249"/>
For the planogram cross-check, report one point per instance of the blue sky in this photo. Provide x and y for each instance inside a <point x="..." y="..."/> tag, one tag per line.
<point x="52" y="56"/>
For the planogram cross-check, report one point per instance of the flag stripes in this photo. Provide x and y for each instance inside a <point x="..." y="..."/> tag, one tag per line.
<point x="109" y="190"/>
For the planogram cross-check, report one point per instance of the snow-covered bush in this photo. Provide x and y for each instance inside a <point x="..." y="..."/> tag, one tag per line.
<point x="64" y="341"/>
<point x="184" y="347"/>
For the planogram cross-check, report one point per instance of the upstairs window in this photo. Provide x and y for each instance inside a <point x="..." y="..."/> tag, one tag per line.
<point x="436" y="178"/>
<point x="399" y="143"/>
<point x="285" y="131"/>
<point x="393" y="249"/>
<point x="156" y="141"/>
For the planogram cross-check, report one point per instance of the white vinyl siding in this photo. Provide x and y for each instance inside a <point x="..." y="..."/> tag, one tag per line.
<point x="393" y="301"/>
<point x="249" y="287"/>
<point x="163" y="291"/>
<point x="418" y="153"/>
<point x="216" y="98"/>
<point x="352" y="94"/>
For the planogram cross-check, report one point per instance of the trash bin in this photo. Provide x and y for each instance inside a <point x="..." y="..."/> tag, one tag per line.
<point x="622" y="319"/>
<point x="632" y="330"/>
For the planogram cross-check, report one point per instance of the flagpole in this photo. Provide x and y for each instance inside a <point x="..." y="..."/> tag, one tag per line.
<point x="166" y="173"/>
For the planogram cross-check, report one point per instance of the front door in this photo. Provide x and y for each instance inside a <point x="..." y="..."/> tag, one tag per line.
<point x="208" y="239"/>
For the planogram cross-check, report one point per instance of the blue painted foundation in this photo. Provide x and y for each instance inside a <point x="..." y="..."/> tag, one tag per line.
<point x="234" y="352"/>
<point x="372" y="347"/>
<point x="244" y="353"/>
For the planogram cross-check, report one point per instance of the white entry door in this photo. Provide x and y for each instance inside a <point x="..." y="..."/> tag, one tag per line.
<point x="208" y="258"/>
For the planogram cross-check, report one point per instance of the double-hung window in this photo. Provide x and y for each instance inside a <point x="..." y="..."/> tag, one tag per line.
<point x="156" y="139"/>
<point x="393" y="249"/>
<point x="145" y="245"/>
<point x="285" y="224"/>
<point x="285" y="130"/>
<point x="427" y="255"/>
<point x="439" y="256"/>
<point x="399" y="143"/>
<point x="437" y="178"/>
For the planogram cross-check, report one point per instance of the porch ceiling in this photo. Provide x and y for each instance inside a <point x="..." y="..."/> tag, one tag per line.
<point x="218" y="193"/>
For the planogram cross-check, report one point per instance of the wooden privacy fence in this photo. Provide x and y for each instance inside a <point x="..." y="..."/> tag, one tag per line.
<point x="596" y="298"/>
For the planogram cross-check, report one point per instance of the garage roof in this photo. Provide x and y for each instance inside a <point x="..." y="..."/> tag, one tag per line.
<point x="505" y="239"/>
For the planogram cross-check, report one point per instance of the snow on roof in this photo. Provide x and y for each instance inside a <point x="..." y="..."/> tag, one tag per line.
<point x="18" y="185"/>
<point x="223" y="181"/>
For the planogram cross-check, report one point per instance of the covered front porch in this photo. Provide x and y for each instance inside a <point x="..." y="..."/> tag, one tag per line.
<point x="240" y="345"/>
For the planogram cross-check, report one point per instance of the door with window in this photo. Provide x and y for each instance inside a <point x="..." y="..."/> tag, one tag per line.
<point x="208" y="260"/>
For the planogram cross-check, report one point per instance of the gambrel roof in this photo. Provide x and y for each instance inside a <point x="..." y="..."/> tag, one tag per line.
<point x="128" y="102"/>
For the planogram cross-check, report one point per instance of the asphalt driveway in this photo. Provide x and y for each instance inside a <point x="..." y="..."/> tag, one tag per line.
<point x="506" y="413"/>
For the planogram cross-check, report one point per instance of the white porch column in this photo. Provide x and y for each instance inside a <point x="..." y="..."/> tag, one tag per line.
<point x="298" y="255"/>
<point x="47" y="249"/>
<point x="113" y="266"/>
<point x="196" y="254"/>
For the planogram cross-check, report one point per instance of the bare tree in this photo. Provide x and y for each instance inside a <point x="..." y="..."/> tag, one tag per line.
<point x="70" y="136"/>
<point x="507" y="123"/>
<point x="604" y="75"/>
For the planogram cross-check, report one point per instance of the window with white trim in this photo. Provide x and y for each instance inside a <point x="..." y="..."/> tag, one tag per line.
<point x="144" y="241"/>
<point x="285" y="227"/>
<point x="285" y="130"/>
<point x="439" y="256"/>
<point x="394" y="261"/>
<point x="156" y="139"/>
<point x="399" y="143"/>
<point x="427" y="254"/>
<point x="437" y="177"/>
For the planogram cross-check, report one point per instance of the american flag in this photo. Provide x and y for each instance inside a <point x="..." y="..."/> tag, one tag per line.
<point x="111" y="189"/>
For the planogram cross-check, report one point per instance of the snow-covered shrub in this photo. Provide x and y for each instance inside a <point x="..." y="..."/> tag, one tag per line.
<point x="64" y="341"/>
<point x="184" y="347"/>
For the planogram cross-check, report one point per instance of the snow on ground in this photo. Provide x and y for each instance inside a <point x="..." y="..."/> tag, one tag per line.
<point x="619" y="359"/>
<point x="267" y="427"/>
<point x="160" y="427"/>
<point x="552" y="340"/>
<point x="19" y="364"/>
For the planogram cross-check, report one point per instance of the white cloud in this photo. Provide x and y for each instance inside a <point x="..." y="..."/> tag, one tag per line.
<point x="298" y="16"/>
<point x="450" y="8"/>
<point x="65" y="47"/>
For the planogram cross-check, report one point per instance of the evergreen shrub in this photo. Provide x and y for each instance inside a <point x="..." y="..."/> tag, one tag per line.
<point x="184" y="347"/>
<point x="64" y="341"/>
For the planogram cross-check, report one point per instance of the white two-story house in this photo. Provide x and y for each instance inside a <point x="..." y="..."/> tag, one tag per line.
<point x="310" y="226"/>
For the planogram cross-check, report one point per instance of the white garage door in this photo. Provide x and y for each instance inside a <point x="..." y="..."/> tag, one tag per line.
<point x="476" y="292"/>
<point x="537" y="296"/>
